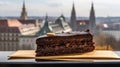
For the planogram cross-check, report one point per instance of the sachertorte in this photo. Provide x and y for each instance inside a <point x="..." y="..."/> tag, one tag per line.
<point x="64" y="43"/>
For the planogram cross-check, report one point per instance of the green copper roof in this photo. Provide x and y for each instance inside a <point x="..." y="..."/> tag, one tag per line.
<point x="45" y="29"/>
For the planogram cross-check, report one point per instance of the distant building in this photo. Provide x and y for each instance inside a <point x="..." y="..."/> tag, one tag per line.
<point x="11" y="30"/>
<point x="82" y="25"/>
<point x="27" y="42"/>
<point x="59" y="26"/>
<point x="21" y="34"/>
<point x="62" y="23"/>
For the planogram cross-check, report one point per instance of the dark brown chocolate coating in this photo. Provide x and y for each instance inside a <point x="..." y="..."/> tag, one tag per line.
<point x="67" y="44"/>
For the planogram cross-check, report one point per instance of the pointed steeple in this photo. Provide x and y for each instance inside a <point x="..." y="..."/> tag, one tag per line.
<point x="73" y="19"/>
<point x="46" y="27"/>
<point x="92" y="24"/>
<point x="24" y="4"/>
<point x="24" y="13"/>
<point x="46" y="20"/>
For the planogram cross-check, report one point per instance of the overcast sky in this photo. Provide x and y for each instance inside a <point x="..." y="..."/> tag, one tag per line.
<point x="56" y="7"/>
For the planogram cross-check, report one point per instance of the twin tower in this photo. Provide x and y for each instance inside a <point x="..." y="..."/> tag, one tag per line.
<point x="92" y="22"/>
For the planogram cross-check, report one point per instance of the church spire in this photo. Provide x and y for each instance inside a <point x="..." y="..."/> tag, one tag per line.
<point x="46" y="27"/>
<point x="73" y="18"/>
<point x="46" y="20"/>
<point x="24" y="13"/>
<point x="92" y="20"/>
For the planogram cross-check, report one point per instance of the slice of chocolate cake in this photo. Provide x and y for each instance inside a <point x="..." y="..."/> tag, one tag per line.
<point x="64" y="43"/>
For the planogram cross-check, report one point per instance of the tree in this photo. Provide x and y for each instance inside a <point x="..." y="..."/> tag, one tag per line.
<point x="110" y="41"/>
<point x="100" y="39"/>
<point x="106" y="40"/>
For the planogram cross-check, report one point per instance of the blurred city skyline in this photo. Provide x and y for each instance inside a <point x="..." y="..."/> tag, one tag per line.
<point x="103" y="8"/>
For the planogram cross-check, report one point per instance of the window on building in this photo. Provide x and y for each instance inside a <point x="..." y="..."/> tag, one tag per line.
<point x="2" y="38"/>
<point x="82" y="23"/>
<point x="6" y="34"/>
<point x="2" y="34"/>
<point x="6" y="38"/>
<point x="10" y="34"/>
<point x="14" y="34"/>
<point x="10" y="38"/>
<point x="14" y="38"/>
<point x="23" y="40"/>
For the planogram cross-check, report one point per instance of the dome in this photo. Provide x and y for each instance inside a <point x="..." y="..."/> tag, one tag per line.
<point x="62" y="17"/>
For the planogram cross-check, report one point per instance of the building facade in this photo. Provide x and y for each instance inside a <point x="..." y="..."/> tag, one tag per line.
<point x="82" y="25"/>
<point x="27" y="42"/>
<point x="12" y="30"/>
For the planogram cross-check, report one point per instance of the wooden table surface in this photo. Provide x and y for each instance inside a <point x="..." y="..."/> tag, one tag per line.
<point x="4" y="59"/>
